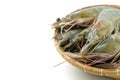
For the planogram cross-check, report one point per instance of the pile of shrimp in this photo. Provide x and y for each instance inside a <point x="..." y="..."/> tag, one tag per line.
<point x="91" y="35"/>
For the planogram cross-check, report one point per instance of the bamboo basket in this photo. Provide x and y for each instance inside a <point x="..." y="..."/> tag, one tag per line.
<point x="112" y="73"/>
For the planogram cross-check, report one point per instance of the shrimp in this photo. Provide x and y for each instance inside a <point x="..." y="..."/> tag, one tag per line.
<point x="107" y="22"/>
<point x="96" y="16"/>
<point x="78" y="17"/>
<point x="109" y="45"/>
<point x="64" y="38"/>
<point x="91" y="35"/>
<point x="79" y="38"/>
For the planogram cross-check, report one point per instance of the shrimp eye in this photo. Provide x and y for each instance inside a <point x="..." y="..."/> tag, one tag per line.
<point x="60" y="37"/>
<point x="58" y="19"/>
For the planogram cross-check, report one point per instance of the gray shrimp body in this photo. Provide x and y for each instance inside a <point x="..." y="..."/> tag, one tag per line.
<point x="107" y="22"/>
<point x="110" y="45"/>
<point x="64" y="38"/>
<point x="90" y="12"/>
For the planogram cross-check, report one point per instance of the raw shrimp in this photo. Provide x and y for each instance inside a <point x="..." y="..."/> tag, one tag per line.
<point x="78" y="38"/>
<point x="80" y="17"/>
<point x="107" y="22"/>
<point x="77" y="17"/>
<point x="65" y="38"/>
<point x="91" y="35"/>
<point x="109" y="45"/>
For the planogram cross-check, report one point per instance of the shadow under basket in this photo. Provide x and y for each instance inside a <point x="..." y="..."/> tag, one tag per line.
<point x="112" y="73"/>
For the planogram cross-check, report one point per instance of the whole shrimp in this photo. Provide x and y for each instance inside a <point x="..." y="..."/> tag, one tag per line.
<point x="84" y="15"/>
<point x="107" y="23"/>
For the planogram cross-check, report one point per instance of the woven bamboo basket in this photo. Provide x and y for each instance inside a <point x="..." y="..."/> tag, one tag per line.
<point x="112" y="73"/>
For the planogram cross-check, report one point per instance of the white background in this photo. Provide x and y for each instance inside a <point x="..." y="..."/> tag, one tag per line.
<point x="27" y="50"/>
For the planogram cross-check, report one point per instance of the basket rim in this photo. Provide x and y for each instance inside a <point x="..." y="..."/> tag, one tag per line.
<point x="114" y="73"/>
